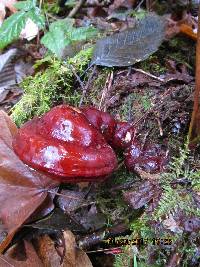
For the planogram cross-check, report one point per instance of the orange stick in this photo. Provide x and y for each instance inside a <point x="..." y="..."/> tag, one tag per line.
<point x="186" y="29"/>
<point x="194" y="130"/>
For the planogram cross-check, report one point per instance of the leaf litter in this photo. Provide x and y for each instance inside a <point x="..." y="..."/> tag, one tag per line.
<point x="170" y="114"/>
<point x="43" y="252"/>
<point x="22" y="190"/>
<point x="13" y="69"/>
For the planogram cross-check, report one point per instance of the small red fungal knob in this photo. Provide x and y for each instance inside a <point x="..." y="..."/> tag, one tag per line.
<point x="63" y="142"/>
<point x="123" y="135"/>
<point x="150" y="158"/>
<point x="102" y="121"/>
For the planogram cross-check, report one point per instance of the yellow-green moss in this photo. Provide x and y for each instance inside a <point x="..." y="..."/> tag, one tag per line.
<point x="52" y="86"/>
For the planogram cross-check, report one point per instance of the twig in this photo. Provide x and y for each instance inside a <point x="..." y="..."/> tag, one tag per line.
<point x="87" y="85"/>
<point x="139" y="5"/>
<point x="194" y="129"/>
<point x="144" y="140"/>
<point x="107" y="86"/>
<point x="7" y="263"/>
<point x="153" y="107"/>
<point x="76" y="8"/>
<point x="40" y="5"/>
<point x="149" y="74"/>
<point x="51" y="16"/>
<point x="159" y="126"/>
<point x="174" y="260"/>
<point x="104" y="250"/>
<point x="62" y="195"/>
<point x="76" y="75"/>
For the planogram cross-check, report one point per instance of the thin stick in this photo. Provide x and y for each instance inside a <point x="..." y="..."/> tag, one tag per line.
<point x="40" y="5"/>
<point x="159" y="126"/>
<point x="154" y="106"/>
<point x="62" y="195"/>
<point x="194" y="129"/>
<point x="149" y="74"/>
<point x="76" y="75"/>
<point x="139" y="5"/>
<point x="87" y="85"/>
<point x="103" y="250"/>
<point x="8" y="263"/>
<point x="76" y="8"/>
<point x="106" y="89"/>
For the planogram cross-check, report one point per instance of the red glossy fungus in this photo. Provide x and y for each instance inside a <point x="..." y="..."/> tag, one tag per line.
<point x="123" y="135"/>
<point x="62" y="142"/>
<point x="102" y="121"/>
<point x="150" y="158"/>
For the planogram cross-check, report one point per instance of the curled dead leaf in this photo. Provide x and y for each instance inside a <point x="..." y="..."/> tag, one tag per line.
<point x="22" y="190"/>
<point x="147" y="191"/>
<point x="30" y="257"/>
<point x="68" y="255"/>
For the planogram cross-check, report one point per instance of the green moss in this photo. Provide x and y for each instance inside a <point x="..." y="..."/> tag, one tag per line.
<point x="96" y="87"/>
<point x="179" y="49"/>
<point x="50" y="87"/>
<point x="182" y="51"/>
<point x="140" y="101"/>
<point x="113" y="209"/>
<point x="122" y="260"/>
<point x="153" y="64"/>
<point x="174" y="200"/>
<point x="178" y="198"/>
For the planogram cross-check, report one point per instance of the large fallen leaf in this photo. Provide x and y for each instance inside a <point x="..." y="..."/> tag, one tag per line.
<point x="130" y="46"/>
<point x="22" y="190"/>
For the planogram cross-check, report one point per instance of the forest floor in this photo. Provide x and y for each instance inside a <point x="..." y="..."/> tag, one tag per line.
<point x="134" y="218"/>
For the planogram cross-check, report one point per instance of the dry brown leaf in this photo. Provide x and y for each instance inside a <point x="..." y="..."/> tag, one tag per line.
<point x="31" y="257"/>
<point x="72" y="256"/>
<point x="47" y="252"/>
<point x="9" y="4"/>
<point x="171" y="224"/>
<point x="70" y="253"/>
<point x="82" y="259"/>
<point x="2" y="13"/>
<point x="147" y="191"/>
<point x="6" y="4"/>
<point x="22" y="190"/>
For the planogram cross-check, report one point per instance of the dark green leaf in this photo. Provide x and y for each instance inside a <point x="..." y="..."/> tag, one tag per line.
<point x="56" y="39"/>
<point x="130" y="46"/>
<point x="36" y="16"/>
<point x="25" y="5"/>
<point x="62" y="33"/>
<point x="83" y="33"/>
<point x="11" y="28"/>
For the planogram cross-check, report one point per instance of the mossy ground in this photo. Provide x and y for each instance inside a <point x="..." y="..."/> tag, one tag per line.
<point x="50" y="87"/>
<point x="57" y="84"/>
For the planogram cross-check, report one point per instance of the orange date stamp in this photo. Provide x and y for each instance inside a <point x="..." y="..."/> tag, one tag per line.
<point x="138" y="241"/>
